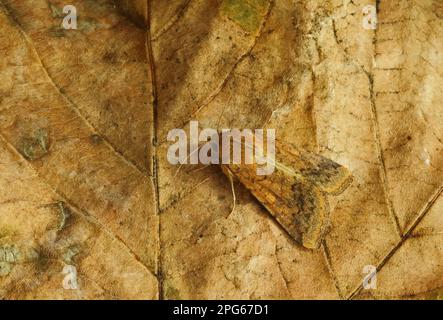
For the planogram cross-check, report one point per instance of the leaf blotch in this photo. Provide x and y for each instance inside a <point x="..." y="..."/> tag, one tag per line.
<point x="8" y="256"/>
<point x="64" y="213"/>
<point x="36" y="145"/>
<point x="247" y="13"/>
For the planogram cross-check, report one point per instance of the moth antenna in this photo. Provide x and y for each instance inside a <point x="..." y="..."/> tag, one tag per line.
<point x="219" y="119"/>
<point x="234" y="198"/>
<point x="199" y="169"/>
<point x="181" y="165"/>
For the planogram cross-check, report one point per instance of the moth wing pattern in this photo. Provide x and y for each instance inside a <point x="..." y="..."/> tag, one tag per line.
<point x="328" y="175"/>
<point x="300" y="207"/>
<point x="295" y="194"/>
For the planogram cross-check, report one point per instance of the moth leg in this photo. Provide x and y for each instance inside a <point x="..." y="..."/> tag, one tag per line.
<point x="198" y="169"/>
<point x="234" y="198"/>
<point x="181" y="165"/>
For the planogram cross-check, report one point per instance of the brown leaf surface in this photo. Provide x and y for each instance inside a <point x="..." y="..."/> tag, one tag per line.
<point x="75" y="130"/>
<point x="84" y="178"/>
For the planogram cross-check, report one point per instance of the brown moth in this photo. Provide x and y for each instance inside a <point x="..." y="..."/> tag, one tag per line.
<point x="295" y="194"/>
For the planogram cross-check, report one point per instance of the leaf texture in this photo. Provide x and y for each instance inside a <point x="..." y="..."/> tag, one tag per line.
<point x="84" y="178"/>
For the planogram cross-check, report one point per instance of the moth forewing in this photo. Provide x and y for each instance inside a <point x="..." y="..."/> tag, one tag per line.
<point x="328" y="175"/>
<point x="298" y="206"/>
<point x="295" y="192"/>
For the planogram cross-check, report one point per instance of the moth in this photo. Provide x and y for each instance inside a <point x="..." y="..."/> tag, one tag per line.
<point x="296" y="192"/>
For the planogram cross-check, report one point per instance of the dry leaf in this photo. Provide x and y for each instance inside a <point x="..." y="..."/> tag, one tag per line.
<point x="75" y="119"/>
<point x="84" y="178"/>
